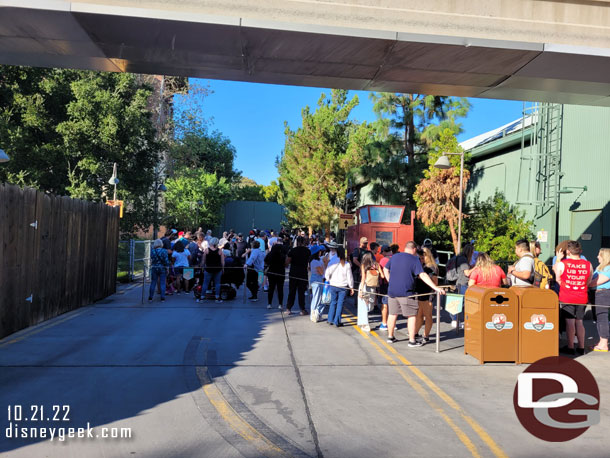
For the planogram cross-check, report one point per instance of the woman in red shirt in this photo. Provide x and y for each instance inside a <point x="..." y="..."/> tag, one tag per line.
<point x="487" y="273"/>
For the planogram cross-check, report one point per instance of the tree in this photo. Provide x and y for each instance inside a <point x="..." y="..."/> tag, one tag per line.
<point x="271" y="192"/>
<point x="437" y="195"/>
<point x="411" y="118"/>
<point x="194" y="198"/>
<point x="495" y="225"/>
<point x="248" y="189"/>
<point x="64" y="129"/>
<point x="317" y="157"/>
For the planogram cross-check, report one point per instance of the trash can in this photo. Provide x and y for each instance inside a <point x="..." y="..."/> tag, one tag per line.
<point x="538" y="323"/>
<point x="491" y="319"/>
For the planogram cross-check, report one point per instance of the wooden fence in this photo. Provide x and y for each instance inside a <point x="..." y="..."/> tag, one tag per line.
<point x="56" y="254"/>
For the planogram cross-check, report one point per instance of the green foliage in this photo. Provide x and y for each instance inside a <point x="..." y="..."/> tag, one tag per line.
<point x="407" y="127"/>
<point x="194" y="198"/>
<point x="496" y="225"/>
<point x="438" y="193"/>
<point x="317" y="158"/>
<point x="64" y="129"/>
<point x="271" y="192"/>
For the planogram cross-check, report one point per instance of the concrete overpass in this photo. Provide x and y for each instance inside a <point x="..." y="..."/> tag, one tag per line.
<point x="542" y="50"/>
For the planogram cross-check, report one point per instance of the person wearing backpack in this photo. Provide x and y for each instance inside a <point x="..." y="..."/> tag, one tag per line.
<point x="542" y="274"/>
<point x="369" y="282"/>
<point x="458" y="270"/>
<point x="522" y="272"/>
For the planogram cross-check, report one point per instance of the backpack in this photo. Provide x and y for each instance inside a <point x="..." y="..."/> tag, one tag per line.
<point x="542" y="275"/>
<point x="452" y="273"/>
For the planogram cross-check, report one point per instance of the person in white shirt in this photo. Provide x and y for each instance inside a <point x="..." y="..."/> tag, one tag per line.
<point x="340" y="277"/>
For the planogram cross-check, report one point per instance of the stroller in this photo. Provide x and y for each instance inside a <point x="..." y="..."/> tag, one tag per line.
<point x="232" y="278"/>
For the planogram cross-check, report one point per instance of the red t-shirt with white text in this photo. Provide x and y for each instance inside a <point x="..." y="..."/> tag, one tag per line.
<point x="574" y="278"/>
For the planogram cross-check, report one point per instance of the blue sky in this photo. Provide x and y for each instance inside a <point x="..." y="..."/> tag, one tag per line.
<point x="252" y="116"/>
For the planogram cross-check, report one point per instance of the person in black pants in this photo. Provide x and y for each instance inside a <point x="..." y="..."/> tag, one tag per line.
<point x="276" y="273"/>
<point x="298" y="260"/>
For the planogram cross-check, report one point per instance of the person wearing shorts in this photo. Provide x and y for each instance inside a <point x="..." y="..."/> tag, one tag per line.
<point x="401" y="271"/>
<point x="573" y="275"/>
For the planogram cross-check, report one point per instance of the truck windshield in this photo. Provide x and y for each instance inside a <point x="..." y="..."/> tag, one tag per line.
<point x="385" y="214"/>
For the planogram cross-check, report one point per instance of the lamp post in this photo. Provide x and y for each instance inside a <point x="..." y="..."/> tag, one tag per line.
<point x="3" y="156"/>
<point x="444" y="164"/>
<point x="114" y="181"/>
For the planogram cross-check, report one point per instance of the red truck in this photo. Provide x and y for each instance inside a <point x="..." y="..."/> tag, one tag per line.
<point x="381" y="224"/>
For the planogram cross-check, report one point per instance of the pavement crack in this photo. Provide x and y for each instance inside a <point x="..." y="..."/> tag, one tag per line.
<point x="312" y="426"/>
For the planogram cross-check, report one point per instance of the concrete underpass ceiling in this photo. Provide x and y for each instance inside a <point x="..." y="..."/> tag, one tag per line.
<point x="257" y="51"/>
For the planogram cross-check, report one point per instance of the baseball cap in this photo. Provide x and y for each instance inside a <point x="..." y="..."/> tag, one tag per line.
<point x="181" y="233"/>
<point x="332" y="245"/>
<point x="363" y="239"/>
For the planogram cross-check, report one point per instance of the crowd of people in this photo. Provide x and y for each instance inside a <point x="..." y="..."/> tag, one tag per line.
<point x="386" y="278"/>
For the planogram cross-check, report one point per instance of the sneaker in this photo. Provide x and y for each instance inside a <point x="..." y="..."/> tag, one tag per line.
<point x="268" y="306"/>
<point x="254" y="299"/>
<point x="416" y="343"/>
<point x="425" y="339"/>
<point x="580" y="351"/>
<point x="454" y="324"/>
<point x="162" y="299"/>
<point x="219" y="301"/>
<point x="366" y="328"/>
<point x="280" y="307"/>
<point x="383" y="327"/>
<point x="392" y="340"/>
<point x="150" y="299"/>
<point x="303" y="313"/>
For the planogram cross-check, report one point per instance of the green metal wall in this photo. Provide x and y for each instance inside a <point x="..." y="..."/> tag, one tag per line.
<point x="246" y="215"/>
<point x="585" y="161"/>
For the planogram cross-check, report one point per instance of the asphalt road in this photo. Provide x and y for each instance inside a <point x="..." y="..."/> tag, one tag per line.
<point x="235" y="379"/>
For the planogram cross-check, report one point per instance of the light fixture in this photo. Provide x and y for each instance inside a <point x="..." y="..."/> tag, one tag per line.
<point x="568" y="189"/>
<point x="442" y="163"/>
<point x="3" y="156"/>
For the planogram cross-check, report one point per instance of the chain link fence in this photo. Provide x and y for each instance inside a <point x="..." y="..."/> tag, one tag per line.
<point x="134" y="260"/>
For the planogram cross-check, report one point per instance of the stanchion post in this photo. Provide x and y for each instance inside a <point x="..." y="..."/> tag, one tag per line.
<point x="438" y="322"/>
<point x="245" y="283"/>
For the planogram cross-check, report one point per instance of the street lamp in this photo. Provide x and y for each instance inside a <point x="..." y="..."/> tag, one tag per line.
<point x="444" y="164"/>
<point x="3" y="156"/>
<point x="114" y="181"/>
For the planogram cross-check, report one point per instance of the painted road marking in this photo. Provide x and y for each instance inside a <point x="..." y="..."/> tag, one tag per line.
<point x="42" y="327"/>
<point x="462" y="436"/>
<point x="233" y="419"/>
<point x="477" y="428"/>
<point x="485" y="437"/>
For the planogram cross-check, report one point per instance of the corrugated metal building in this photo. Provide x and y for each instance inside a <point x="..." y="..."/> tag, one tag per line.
<point x="555" y="165"/>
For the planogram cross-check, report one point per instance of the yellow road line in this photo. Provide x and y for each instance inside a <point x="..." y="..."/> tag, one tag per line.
<point x="234" y="420"/>
<point x="42" y="327"/>
<point x="462" y="436"/>
<point x="485" y="437"/>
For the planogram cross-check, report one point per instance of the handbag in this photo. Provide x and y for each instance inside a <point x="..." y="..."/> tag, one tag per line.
<point x="372" y="278"/>
<point x="326" y="298"/>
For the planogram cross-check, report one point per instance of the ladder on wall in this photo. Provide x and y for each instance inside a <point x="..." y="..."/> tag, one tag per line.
<point x="540" y="163"/>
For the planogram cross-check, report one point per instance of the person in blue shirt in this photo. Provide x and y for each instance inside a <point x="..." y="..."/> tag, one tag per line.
<point x="600" y="282"/>
<point x="401" y="271"/>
